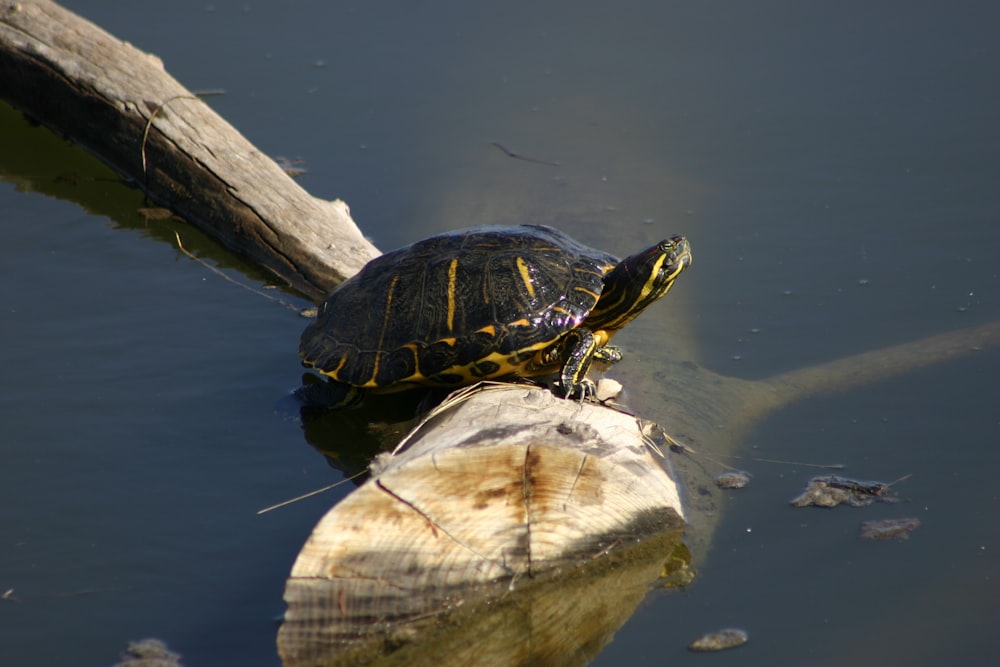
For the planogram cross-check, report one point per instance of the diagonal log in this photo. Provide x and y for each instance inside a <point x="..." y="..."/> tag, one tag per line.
<point x="120" y="104"/>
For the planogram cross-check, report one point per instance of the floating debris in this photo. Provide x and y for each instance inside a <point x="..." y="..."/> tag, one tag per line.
<point x="518" y="156"/>
<point x="720" y="640"/>
<point x="888" y="529"/>
<point x="149" y="653"/>
<point x="833" y="490"/>
<point x="734" y="479"/>
<point x="608" y="389"/>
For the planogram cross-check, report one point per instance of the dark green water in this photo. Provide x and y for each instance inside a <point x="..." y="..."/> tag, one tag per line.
<point x="835" y="166"/>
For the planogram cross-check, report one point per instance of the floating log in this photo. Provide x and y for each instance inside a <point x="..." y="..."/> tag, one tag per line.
<point x="120" y="104"/>
<point x="490" y="514"/>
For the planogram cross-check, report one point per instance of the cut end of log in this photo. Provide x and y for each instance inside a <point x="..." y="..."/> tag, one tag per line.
<point x="473" y="509"/>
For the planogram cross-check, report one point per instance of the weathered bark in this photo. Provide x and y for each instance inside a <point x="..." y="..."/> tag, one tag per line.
<point x="119" y="103"/>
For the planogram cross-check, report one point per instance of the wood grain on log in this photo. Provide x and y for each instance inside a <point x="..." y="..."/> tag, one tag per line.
<point x="501" y="489"/>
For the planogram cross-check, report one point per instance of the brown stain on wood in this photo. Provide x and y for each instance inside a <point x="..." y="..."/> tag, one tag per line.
<point x="483" y="498"/>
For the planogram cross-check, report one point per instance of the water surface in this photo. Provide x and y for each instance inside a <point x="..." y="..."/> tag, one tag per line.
<point x="833" y="165"/>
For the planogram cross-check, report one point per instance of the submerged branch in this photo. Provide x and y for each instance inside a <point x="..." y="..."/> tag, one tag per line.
<point x="861" y="369"/>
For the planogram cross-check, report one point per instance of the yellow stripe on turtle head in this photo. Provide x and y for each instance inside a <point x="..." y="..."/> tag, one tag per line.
<point x="638" y="281"/>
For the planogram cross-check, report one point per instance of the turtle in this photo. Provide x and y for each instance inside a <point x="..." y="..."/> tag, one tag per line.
<point x="483" y="303"/>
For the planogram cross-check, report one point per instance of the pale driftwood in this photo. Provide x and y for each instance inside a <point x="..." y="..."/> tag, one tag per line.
<point x="120" y="104"/>
<point x="502" y="488"/>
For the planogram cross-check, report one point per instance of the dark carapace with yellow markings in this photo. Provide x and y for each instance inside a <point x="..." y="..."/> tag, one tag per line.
<point x="483" y="303"/>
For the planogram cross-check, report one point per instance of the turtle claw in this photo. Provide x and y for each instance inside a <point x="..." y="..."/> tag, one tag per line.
<point x="583" y="390"/>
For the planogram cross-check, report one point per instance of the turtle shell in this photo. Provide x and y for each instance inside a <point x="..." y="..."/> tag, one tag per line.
<point x="456" y="308"/>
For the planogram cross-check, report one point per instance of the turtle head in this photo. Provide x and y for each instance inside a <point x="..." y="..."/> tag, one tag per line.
<point x="638" y="281"/>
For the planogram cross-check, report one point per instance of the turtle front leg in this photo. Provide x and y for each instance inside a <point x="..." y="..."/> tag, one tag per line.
<point x="579" y="346"/>
<point x="609" y="354"/>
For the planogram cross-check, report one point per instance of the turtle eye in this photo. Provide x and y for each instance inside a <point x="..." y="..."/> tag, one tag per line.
<point x="667" y="246"/>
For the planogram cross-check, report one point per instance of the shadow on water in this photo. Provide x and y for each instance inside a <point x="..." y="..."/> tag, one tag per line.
<point x="349" y="439"/>
<point x="37" y="160"/>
